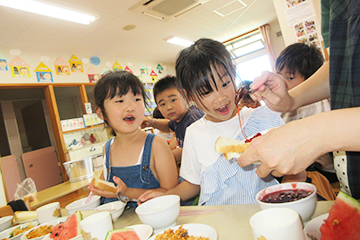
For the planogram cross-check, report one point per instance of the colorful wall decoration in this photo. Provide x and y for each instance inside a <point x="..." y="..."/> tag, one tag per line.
<point x="19" y="68"/>
<point x="143" y="69"/>
<point x="160" y="69"/>
<point x="95" y="61"/>
<point x="75" y="64"/>
<point x="3" y="63"/>
<point x="128" y="69"/>
<point x="93" y="75"/>
<point x="154" y="77"/>
<point x="61" y="67"/>
<point x="117" y="67"/>
<point x="43" y="73"/>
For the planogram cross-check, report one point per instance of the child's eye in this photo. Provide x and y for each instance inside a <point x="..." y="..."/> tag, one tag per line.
<point x="138" y="99"/>
<point x="225" y="84"/>
<point x="119" y="101"/>
<point x="162" y="104"/>
<point x="290" y="78"/>
<point x="173" y="100"/>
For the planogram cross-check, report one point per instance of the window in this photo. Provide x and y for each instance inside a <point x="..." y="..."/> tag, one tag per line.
<point x="249" y="54"/>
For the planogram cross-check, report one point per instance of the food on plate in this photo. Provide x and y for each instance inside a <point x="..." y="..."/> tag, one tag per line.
<point x="287" y="195"/>
<point x="104" y="185"/>
<point x="68" y="229"/>
<point x="343" y="220"/>
<point x="180" y="234"/>
<point x="24" y="216"/>
<point x="19" y="230"/>
<point x="122" y="234"/>
<point x="38" y="232"/>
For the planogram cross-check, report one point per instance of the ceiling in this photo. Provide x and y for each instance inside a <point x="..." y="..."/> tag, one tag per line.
<point x="105" y="37"/>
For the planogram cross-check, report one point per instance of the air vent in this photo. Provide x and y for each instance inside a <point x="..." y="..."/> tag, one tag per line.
<point x="166" y="9"/>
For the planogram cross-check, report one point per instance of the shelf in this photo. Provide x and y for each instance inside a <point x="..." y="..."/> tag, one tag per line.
<point x="82" y="129"/>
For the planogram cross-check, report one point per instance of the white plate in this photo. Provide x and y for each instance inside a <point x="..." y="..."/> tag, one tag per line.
<point x="52" y="222"/>
<point x="312" y="229"/>
<point x="6" y="233"/>
<point x="143" y="231"/>
<point x="196" y="230"/>
<point x="78" y="237"/>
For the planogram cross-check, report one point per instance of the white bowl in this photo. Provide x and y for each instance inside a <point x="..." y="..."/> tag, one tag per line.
<point x="160" y="212"/>
<point x="5" y="222"/>
<point x="6" y="233"/>
<point x="81" y="205"/>
<point x="305" y="206"/>
<point x="118" y="207"/>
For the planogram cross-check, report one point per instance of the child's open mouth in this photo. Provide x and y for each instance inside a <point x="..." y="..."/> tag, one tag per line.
<point x="129" y="119"/>
<point x="223" y="110"/>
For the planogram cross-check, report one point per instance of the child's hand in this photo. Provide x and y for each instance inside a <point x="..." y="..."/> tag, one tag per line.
<point x="101" y="192"/>
<point x="121" y="186"/>
<point x="147" y="122"/>
<point x="151" y="194"/>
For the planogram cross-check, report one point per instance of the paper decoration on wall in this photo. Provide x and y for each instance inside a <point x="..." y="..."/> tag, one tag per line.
<point x="140" y="77"/>
<point x="43" y="73"/>
<point x="104" y="71"/>
<point x="117" y="67"/>
<point x="19" y="68"/>
<point x="93" y="75"/>
<point x="168" y="73"/>
<point x="128" y="69"/>
<point x="61" y="67"/>
<point x="95" y="61"/>
<point x="160" y="69"/>
<point x="143" y="69"/>
<point x="154" y="77"/>
<point x="3" y="63"/>
<point x="75" y="64"/>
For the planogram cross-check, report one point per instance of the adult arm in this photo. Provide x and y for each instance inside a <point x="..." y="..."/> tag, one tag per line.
<point x="292" y="147"/>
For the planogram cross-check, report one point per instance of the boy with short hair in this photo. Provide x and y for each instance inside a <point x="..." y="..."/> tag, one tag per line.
<point x="295" y="64"/>
<point x="172" y="105"/>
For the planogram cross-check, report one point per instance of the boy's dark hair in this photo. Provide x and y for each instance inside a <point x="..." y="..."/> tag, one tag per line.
<point x="157" y="114"/>
<point x="193" y="67"/>
<point x="164" y="84"/>
<point x="301" y="57"/>
<point x="117" y="83"/>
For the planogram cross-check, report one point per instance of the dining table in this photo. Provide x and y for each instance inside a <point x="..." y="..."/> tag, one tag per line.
<point x="230" y="221"/>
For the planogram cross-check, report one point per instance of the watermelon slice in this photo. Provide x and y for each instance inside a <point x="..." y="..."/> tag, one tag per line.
<point x="122" y="234"/>
<point x="343" y="221"/>
<point x="68" y="229"/>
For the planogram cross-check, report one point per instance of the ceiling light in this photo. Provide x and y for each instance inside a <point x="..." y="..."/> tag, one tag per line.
<point x="179" y="41"/>
<point x="48" y="10"/>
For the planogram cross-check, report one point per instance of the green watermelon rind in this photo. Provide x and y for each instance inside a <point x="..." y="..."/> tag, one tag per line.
<point x="110" y="233"/>
<point x="349" y="200"/>
<point x="78" y="219"/>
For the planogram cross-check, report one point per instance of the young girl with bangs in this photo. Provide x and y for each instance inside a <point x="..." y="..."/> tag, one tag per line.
<point x="207" y="75"/>
<point x="134" y="160"/>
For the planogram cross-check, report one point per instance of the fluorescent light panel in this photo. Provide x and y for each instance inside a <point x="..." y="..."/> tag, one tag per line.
<point x="179" y="41"/>
<point x="48" y="10"/>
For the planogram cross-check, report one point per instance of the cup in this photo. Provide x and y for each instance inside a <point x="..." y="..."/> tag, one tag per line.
<point x="48" y="212"/>
<point x="96" y="225"/>
<point x="277" y="223"/>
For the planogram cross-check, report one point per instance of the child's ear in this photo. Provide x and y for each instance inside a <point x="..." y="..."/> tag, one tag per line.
<point x="99" y="113"/>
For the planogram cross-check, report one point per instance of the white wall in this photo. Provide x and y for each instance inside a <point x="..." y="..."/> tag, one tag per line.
<point x="288" y="32"/>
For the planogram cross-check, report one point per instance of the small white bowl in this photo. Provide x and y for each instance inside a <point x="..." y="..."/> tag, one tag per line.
<point x="160" y="212"/>
<point x="5" y="222"/>
<point x="117" y="207"/>
<point x="81" y="205"/>
<point x="305" y="206"/>
<point x="6" y="233"/>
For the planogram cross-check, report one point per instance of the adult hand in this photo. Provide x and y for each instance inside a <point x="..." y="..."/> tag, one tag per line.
<point x="288" y="149"/>
<point x="271" y="88"/>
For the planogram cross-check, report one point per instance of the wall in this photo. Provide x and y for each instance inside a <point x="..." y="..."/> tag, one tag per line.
<point x="288" y="32"/>
<point x="35" y="58"/>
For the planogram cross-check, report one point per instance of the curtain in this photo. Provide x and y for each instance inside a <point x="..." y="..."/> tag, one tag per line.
<point x="265" y="31"/>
